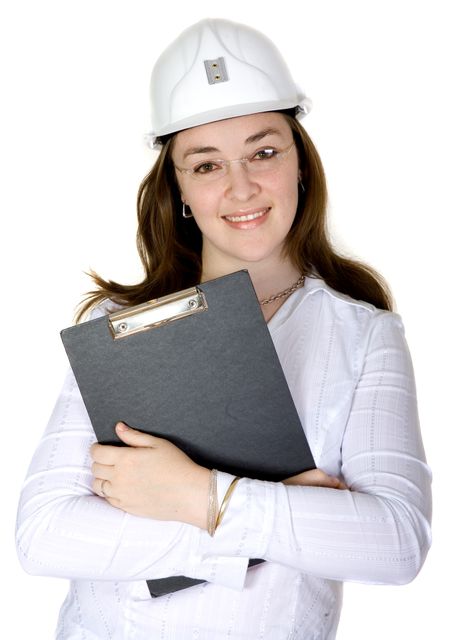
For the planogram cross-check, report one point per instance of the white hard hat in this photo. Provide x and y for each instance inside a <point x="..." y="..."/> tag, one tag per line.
<point x="218" y="69"/>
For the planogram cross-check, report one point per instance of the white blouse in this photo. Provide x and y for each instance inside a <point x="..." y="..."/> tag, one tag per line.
<point x="350" y="374"/>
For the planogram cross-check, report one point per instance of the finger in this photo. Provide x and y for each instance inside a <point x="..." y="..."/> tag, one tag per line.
<point x="102" y="487"/>
<point x="315" y="478"/>
<point x="115" y="502"/>
<point x="102" y="471"/>
<point x="104" y="453"/>
<point x="135" y="438"/>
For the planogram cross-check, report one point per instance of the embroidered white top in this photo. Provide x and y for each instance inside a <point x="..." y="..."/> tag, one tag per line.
<point x="350" y="374"/>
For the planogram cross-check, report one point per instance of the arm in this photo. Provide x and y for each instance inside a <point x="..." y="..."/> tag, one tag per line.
<point x="379" y="531"/>
<point x="65" y="530"/>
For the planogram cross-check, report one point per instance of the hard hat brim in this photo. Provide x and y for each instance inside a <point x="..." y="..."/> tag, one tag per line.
<point x="303" y="107"/>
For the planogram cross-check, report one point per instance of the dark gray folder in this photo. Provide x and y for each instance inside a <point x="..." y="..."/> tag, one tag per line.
<point x="199" y="368"/>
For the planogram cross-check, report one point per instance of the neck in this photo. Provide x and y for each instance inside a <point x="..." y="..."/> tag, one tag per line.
<point x="268" y="278"/>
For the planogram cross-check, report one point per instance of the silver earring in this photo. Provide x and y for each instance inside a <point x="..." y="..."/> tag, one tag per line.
<point x="302" y="186"/>
<point x="186" y="215"/>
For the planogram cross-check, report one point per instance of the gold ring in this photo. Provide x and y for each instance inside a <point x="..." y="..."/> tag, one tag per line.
<point x="102" y="493"/>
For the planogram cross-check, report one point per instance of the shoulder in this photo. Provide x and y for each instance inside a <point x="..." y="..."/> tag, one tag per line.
<point x="329" y="312"/>
<point x="329" y="331"/>
<point x="341" y="304"/>
<point x="315" y="286"/>
<point x="358" y="324"/>
<point x="103" y="308"/>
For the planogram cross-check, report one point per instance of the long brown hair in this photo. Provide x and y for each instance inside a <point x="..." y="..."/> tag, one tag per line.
<point x="170" y="246"/>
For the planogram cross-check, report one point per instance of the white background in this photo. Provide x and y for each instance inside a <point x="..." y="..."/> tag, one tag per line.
<point x="74" y="108"/>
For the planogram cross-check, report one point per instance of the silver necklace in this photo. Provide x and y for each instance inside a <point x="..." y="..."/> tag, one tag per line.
<point x="283" y="294"/>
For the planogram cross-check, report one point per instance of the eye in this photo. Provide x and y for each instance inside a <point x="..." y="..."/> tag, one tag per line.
<point x="207" y="167"/>
<point x="265" y="154"/>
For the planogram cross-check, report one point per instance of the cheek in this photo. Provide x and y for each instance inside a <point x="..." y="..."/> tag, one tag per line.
<point x="285" y="191"/>
<point x="200" y="208"/>
<point x="203" y="203"/>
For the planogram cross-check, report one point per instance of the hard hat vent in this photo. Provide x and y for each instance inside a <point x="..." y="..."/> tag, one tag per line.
<point x="216" y="70"/>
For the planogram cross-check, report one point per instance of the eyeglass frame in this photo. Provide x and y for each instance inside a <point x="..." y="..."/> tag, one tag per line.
<point x="225" y="164"/>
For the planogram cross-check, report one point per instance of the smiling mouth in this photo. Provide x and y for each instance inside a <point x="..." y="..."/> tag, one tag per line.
<point x="247" y="217"/>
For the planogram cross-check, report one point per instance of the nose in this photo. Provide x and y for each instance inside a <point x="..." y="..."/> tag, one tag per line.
<point x="241" y="185"/>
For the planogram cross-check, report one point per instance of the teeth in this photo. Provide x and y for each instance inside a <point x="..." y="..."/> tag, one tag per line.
<point x="250" y="216"/>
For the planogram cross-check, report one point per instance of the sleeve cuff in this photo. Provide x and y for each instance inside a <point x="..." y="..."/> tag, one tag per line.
<point x="247" y="523"/>
<point x="226" y="571"/>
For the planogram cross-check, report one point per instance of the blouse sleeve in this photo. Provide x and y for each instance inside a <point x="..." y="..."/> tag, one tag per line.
<point x="379" y="530"/>
<point x="65" y="530"/>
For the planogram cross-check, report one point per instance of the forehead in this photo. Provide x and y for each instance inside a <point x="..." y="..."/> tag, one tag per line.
<point x="232" y="132"/>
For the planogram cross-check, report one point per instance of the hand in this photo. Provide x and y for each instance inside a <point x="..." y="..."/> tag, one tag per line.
<point x="315" y="478"/>
<point x="151" y="478"/>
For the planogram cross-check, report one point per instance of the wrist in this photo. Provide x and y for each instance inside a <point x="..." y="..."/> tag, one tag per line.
<point x="194" y="509"/>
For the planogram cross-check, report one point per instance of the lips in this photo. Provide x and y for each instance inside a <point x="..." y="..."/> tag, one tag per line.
<point x="247" y="216"/>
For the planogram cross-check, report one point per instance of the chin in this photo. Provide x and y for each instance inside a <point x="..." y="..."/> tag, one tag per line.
<point x="255" y="257"/>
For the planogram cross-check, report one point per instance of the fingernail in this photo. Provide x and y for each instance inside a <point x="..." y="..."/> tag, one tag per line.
<point x="121" y="426"/>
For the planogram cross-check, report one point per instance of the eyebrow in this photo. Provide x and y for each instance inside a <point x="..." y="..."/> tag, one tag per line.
<point x="255" y="137"/>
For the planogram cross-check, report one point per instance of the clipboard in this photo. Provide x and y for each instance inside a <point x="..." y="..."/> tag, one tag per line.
<point x="199" y="368"/>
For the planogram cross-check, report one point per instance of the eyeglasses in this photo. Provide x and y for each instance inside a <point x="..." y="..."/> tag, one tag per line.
<point x="263" y="161"/>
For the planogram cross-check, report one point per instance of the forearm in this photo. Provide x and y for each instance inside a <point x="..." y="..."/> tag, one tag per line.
<point x="328" y="533"/>
<point x="64" y="530"/>
<point x="86" y="538"/>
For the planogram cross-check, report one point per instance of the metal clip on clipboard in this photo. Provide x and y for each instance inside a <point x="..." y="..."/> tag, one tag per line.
<point x="157" y="312"/>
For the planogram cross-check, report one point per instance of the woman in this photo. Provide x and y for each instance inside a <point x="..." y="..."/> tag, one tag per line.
<point x="238" y="184"/>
